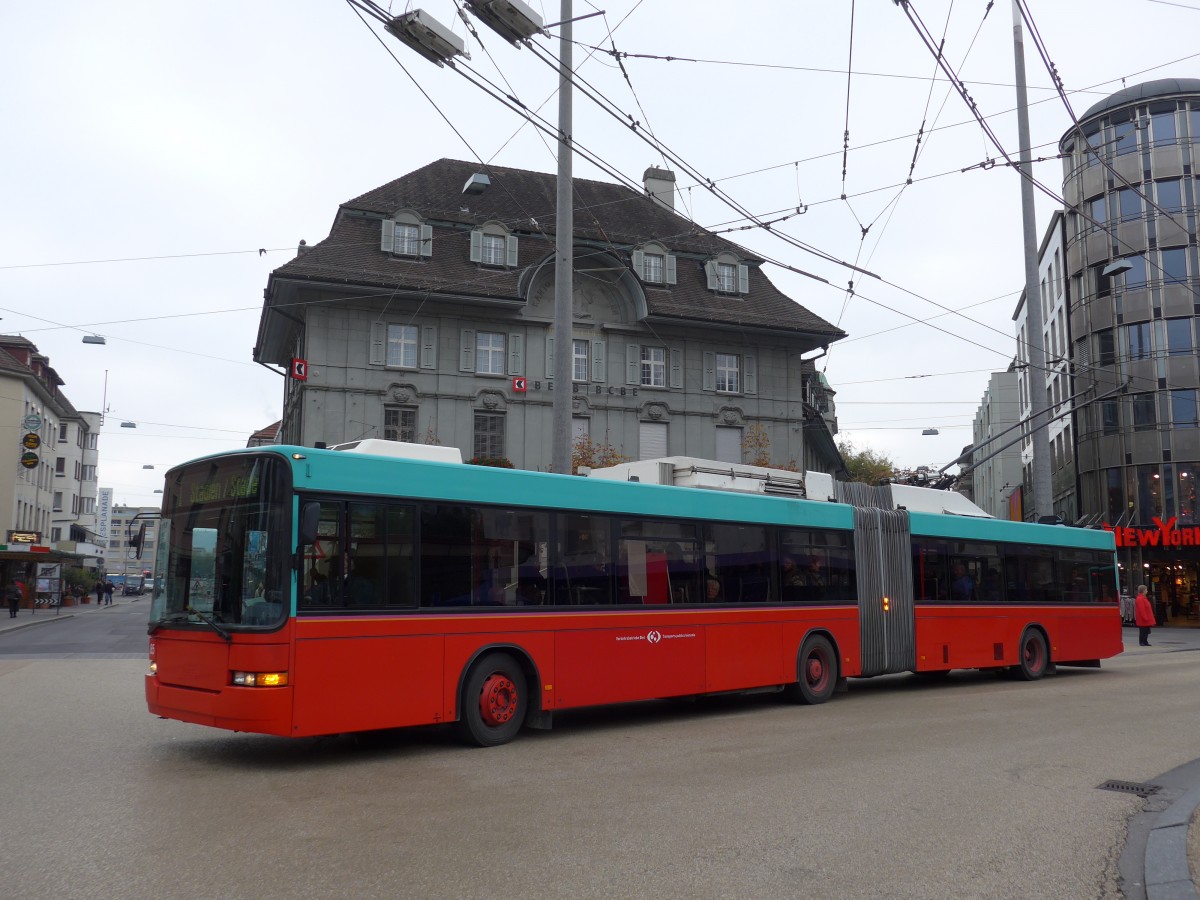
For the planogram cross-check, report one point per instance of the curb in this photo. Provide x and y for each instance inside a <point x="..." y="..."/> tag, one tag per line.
<point x="1167" y="876"/>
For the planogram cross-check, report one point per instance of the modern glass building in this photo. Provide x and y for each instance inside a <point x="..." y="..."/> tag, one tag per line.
<point x="1132" y="190"/>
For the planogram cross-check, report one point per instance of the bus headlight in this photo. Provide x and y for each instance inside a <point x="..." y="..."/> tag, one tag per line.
<point x="260" y="679"/>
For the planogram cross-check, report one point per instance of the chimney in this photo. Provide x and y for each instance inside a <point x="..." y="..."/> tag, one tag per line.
<point x="303" y="248"/>
<point x="660" y="185"/>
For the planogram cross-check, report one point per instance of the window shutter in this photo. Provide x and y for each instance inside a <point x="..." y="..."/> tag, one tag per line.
<point x="466" y="359"/>
<point x="378" y="354"/>
<point x="633" y="364"/>
<point x="743" y="279"/>
<point x="516" y="354"/>
<point x="652" y="440"/>
<point x="427" y="240"/>
<point x="511" y="244"/>
<point x="677" y="369"/>
<point x="429" y="347"/>
<point x="639" y="262"/>
<point x="599" y="366"/>
<point x="388" y="243"/>
<point x="476" y="245"/>
<point x="670" y="269"/>
<point x="710" y="269"/>
<point x="549" y="357"/>
<point x="710" y="371"/>
<point x="749" y="375"/>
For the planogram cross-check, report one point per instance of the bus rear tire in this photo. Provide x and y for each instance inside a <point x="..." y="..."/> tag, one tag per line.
<point x="1033" y="657"/>
<point x="494" y="701"/>
<point x="816" y="672"/>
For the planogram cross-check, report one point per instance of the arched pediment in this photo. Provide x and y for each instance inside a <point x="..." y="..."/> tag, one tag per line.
<point x="605" y="289"/>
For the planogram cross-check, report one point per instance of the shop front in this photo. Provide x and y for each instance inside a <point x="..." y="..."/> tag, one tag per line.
<point x="1164" y="556"/>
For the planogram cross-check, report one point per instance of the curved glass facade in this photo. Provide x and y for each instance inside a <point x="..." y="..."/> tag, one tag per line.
<point x="1132" y="190"/>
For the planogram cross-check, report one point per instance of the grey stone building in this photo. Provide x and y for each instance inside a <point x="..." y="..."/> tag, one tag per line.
<point x="1131" y="256"/>
<point x="426" y="315"/>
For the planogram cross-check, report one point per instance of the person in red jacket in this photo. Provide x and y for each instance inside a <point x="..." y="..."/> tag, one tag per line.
<point x="1143" y="616"/>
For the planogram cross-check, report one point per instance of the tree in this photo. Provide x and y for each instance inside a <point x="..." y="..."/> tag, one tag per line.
<point x="867" y="465"/>
<point x="594" y="454"/>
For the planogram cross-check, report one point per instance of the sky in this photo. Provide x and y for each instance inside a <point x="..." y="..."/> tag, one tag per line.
<point x="161" y="159"/>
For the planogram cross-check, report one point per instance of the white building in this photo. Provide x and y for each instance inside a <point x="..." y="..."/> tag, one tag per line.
<point x="120" y="556"/>
<point x="996" y="469"/>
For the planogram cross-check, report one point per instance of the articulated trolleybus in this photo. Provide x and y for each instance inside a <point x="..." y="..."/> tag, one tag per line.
<point x="306" y="592"/>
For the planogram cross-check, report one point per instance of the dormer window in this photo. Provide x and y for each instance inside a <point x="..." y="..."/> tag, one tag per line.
<point x="727" y="275"/>
<point x="404" y="234"/>
<point x="653" y="264"/>
<point x="492" y="245"/>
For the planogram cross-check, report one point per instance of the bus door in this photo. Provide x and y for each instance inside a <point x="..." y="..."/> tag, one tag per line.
<point x="883" y="554"/>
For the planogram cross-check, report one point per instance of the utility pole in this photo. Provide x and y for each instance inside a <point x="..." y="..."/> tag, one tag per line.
<point x="1035" y="356"/>
<point x="564" y="251"/>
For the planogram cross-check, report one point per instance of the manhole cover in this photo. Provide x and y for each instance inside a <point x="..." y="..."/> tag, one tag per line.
<point x="1131" y="787"/>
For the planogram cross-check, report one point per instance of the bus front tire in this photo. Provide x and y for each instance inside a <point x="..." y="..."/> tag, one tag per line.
<point x="1033" y="657"/>
<point x="816" y="672"/>
<point x="494" y="701"/>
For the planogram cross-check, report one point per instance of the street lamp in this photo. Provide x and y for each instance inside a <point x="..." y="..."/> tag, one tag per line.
<point x="129" y="424"/>
<point x="94" y="339"/>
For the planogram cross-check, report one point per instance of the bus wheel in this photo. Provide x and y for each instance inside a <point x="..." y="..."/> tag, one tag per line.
<point x="1034" y="658"/>
<point x="494" y="701"/>
<point x="816" y="673"/>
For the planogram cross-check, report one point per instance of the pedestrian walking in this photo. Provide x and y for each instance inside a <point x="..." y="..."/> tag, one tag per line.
<point x="109" y="587"/>
<point x="13" y="595"/>
<point x="99" y="593"/>
<point x="1143" y="616"/>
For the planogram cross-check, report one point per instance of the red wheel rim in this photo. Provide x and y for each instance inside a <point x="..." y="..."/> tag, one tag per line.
<point x="816" y="671"/>
<point x="1033" y="654"/>
<point x="498" y="699"/>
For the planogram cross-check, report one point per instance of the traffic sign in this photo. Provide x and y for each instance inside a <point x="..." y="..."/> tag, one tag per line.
<point x="32" y="422"/>
<point x="29" y="459"/>
<point x="31" y="441"/>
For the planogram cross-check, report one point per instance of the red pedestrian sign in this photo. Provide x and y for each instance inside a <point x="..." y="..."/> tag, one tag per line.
<point x="519" y="385"/>
<point x="299" y="369"/>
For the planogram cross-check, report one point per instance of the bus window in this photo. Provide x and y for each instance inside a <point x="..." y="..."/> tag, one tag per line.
<point x="740" y="558"/>
<point x="816" y="567"/>
<point x="659" y="562"/>
<point x="581" y="559"/>
<point x="322" y="560"/>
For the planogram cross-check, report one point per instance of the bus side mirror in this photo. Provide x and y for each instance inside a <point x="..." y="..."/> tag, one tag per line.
<point x="310" y="518"/>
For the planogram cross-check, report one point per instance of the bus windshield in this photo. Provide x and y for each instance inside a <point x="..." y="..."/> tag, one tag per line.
<point x="223" y="554"/>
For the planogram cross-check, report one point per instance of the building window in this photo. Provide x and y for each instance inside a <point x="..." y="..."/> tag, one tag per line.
<point x="1170" y="193"/>
<point x="58" y="501"/>
<point x="1162" y="128"/>
<point x="728" y="444"/>
<point x="1126" y="138"/>
<point x="1183" y="409"/>
<point x="1179" y="337"/>
<point x="62" y="431"/>
<point x="654" y="366"/>
<point x="1143" y="412"/>
<point x="399" y="424"/>
<point x="1110" y="417"/>
<point x="408" y="240"/>
<point x="652" y="268"/>
<point x="489" y="352"/>
<point x="1138" y="337"/>
<point x="580" y="360"/>
<point x="491" y="250"/>
<point x="1174" y="266"/>
<point x="1130" y="204"/>
<point x="1106" y="348"/>
<point x="728" y="371"/>
<point x="726" y="278"/>
<point x="402" y="346"/>
<point x="489" y="435"/>
<point x="60" y="466"/>
<point x="55" y="535"/>
<point x="1100" y="212"/>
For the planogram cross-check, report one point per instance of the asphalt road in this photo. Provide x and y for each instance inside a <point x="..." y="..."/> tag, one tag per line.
<point x="976" y="787"/>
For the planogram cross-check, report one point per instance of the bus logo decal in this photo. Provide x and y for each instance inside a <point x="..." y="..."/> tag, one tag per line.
<point x="654" y="637"/>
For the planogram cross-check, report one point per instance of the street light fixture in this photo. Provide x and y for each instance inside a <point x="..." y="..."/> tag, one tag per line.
<point x="1116" y="268"/>
<point x="129" y="424"/>
<point x="94" y="339"/>
<point x="148" y="466"/>
<point x="429" y="37"/>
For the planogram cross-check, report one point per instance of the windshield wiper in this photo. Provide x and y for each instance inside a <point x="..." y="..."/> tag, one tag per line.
<point x="166" y="620"/>
<point x="209" y="622"/>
